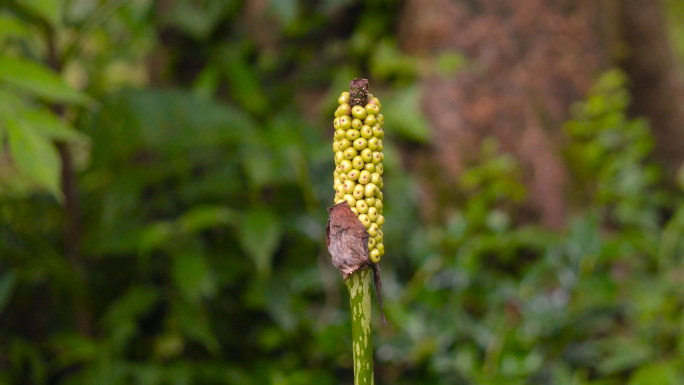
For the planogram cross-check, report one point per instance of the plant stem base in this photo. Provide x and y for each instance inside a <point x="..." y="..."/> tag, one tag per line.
<point x="359" y="284"/>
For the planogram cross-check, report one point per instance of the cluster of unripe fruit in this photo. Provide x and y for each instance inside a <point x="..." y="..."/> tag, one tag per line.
<point x="358" y="160"/>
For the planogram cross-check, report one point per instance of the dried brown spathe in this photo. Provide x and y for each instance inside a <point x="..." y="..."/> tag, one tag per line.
<point x="347" y="241"/>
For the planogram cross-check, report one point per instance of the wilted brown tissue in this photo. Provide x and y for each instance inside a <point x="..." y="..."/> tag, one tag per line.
<point x="347" y="241"/>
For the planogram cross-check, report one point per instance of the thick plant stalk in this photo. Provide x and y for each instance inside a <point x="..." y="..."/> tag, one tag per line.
<point x="362" y="337"/>
<point x="354" y="232"/>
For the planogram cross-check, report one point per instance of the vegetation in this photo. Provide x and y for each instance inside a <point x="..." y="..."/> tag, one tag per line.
<point x="165" y="168"/>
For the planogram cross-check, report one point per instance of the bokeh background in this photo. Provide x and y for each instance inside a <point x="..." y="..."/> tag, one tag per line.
<point x="165" y="168"/>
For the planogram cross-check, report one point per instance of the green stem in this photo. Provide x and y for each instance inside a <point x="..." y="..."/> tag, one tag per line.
<point x="359" y="284"/>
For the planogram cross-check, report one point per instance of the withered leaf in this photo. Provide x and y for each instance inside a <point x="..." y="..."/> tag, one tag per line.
<point x="347" y="241"/>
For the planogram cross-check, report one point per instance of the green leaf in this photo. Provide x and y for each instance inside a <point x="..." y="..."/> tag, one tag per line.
<point x="193" y="277"/>
<point x="387" y="61"/>
<point x="49" y="125"/>
<point x="49" y="10"/>
<point x="10" y="26"/>
<point x="624" y="354"/>
<point x="243" y="80"/>
<point x="35" y="156"/>
<point x="155" y="235"/>
<point x="197" y="19"/>
<point x="205" y="217"/>
<point x="74" y="349"/>
<point x="260" y="233"/>
<point x="39" y="80"/>
<point x="120" y="319"/>
<point x="164" y="121"/>
<point x="194" y="323"/>
<point x="403" y="115"/>
<point x="662" y="373"/>
<point x="6" y="286"/>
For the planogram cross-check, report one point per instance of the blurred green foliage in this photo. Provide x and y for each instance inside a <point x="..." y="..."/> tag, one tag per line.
<point x="203" y="177"/>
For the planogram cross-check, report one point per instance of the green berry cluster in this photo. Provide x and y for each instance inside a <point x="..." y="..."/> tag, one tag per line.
<point x="358" y="160"/>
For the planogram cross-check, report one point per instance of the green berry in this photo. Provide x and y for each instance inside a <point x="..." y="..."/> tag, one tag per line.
<point x="374" y="178"/>
<point x="380" y="236"/>
<point x="370" y="120"/>
<point x="335" y="149"/>
<point x="373" y="229"/>
<point x="358" y="112"/>
<point x="358" y="193"/>
<point x="381" y="219"/>
<point x="357" y="124"/>
<point x="377" y="157"/>
<point x="348" y="186"/>
<point x="346" y="166"/>
<point x="369" y="190"/>
<point x="350" y="152"/>
<point x="344" y="109"/>
<point x="378" y="202"/>
<point x="379" y="169"/>
<point x="373" y="143"/>
<point x="339" y="191"/>
<point x="353" y="134"/>
<point x="344" y="98"/>
<point x="358" y="162"/>
<point x="355" y="211"/>
<point x="366" y="132"/>
<point x="366" y="154"/>
<point x="360" y="143"/>
<point x="381" y="248"/>
<point x="343" y="177"/>
<point x="370" y="201"/>
<point x="364" y="177"/>
<point x="343" y="144"/>
<point x="378" y="132"/>
<point x="340" y="134"/>
<point x="373" y="213"/>
<point x="371" y="242"/>
<point x="336" y="122"/>
<point x="374" y="101"/>
<point x="380" y="147"/>
<point x="365" y="220"/>
<point x="345" y="122"/>
<point x="371" y="109"/>
<point x="370" y="167"/>
<point x="351" y="201"/>
<point x="353" y="174"/>
<point x="339" y="156"/>
<point x="374" y="256"/>
<point x="380" y="119"/>
<point x="361" y="206"/>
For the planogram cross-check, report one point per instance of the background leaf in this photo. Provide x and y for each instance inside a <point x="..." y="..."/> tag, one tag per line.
<point x="39" y="80"/>
<point x="49" y="10"/>
<point x="7" y="282"/>
<point x="35" y="156"/>
<point x="260" y="232"/>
